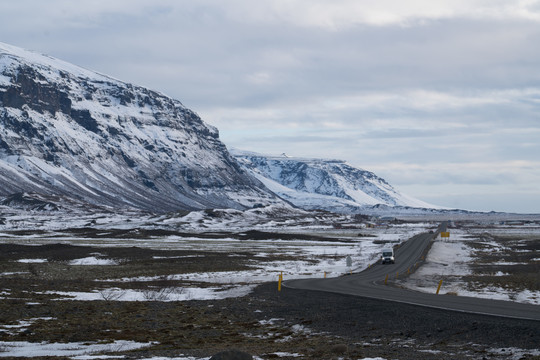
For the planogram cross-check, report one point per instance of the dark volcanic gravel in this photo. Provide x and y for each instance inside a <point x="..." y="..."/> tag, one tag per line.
<point x="355" y="317"/>
<point x="393" y="330"/>
<point x="265" y="323"/>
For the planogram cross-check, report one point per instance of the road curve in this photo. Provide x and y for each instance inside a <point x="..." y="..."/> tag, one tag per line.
<point x="370" y="283"/>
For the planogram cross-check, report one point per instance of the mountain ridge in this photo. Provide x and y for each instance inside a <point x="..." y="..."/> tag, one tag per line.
<point x="69" y="131"/>
<point x="324" y="184"/>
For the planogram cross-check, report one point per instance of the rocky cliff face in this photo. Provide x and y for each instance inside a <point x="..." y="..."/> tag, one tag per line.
<point x="331" y="185"/>
<point x="69" y="131"/>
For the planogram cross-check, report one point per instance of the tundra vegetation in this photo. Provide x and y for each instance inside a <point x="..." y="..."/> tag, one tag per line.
<point x="177" y="301"/>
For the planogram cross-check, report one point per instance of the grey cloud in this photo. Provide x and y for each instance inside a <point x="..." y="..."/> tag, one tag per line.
<point x="456" y="89"/>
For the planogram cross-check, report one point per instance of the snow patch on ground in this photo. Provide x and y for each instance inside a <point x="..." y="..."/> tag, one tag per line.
<point x="278" y="354"/>
<point x="92" y="260"/>
<point x="21" y="325"/>
<point x="45" y="349"/>
<point x="176" y="358"/>
<point x="32" y="261"/>
<point x="163" y="294"/>
<point x="514" y="353"/>
<point x="286" y="354"/>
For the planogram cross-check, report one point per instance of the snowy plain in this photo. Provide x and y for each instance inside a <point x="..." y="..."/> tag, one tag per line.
<point x="307" y="259"/>
<point x="448" y="259"/>
<point x="310" y="259"/>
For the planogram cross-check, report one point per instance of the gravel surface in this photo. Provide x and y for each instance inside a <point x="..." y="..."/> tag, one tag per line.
<point x="269" y="324"/>
<point x="368" y="327"/>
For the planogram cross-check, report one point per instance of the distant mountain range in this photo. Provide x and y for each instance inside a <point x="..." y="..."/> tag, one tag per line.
<point x="67" y="132"/>
<point x="324" y="184"/>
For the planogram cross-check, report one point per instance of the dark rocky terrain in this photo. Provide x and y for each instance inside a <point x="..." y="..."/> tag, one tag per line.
<point x="265" y="323"/>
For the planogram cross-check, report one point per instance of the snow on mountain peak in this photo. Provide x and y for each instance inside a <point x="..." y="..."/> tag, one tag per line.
<point x="69" y="131"/>
<point x="12" y="54"/>
<point x="327" y="184"/>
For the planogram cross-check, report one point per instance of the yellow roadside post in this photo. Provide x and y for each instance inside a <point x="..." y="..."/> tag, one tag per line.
<point x="325" y="274"/>
<point x="439" y="287"/>
<point x="279" y="281"/>
<point x="397" y="274"/>
<point x="386" y="279"/>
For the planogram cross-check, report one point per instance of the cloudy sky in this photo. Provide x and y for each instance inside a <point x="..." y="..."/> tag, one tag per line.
<point x="440" y="98"/>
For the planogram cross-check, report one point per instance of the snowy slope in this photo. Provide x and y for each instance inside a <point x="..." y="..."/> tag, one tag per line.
<point x="331" y="185"/>
<point x="69" y="131"/>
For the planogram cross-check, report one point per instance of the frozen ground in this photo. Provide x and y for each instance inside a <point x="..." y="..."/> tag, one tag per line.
<point x="299" y="257"/>
<point x="285" y="355"/>
<point x="304" y="259"/>
<point x="86" y="351"/>
<point x="451" y="260"/>
<point x="71" y="350"/>
<point x="456" y="259"/>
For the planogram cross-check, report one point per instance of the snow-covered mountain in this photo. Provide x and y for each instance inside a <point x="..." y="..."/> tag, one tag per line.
<point x="68" y="131"/>
<point x="324" y="184"/>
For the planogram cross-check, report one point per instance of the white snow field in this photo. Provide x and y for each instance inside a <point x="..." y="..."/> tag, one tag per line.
<point x="449" y="259"/>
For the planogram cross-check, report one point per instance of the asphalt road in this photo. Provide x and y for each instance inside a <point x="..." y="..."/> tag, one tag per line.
<point x="371" y="283"/>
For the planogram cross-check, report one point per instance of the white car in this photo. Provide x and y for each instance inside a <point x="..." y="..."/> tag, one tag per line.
<point x="387" y="256"/>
